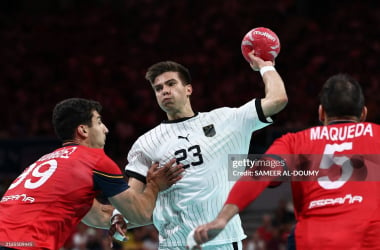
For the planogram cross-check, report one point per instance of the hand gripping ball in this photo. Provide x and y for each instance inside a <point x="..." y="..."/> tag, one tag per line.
<point x="264" y="41"/>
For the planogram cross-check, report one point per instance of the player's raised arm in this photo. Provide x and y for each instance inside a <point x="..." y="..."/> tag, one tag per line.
<point x="138" y="207"/>
<point x="275" y="94"/>
<point x="260" y="47"/>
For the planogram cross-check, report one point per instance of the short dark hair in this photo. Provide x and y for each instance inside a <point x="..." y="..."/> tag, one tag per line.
<point x="168" y="66"/>
<point x="342" y="95"/>
<point x="70" y="113"/>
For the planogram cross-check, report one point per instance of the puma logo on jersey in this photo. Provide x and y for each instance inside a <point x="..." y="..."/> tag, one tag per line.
<point x="184" y="137"/>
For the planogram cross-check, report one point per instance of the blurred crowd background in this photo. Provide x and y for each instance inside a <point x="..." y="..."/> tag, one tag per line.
<point x="100" y="49"/>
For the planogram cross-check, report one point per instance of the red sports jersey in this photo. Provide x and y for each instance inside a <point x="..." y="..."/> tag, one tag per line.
<point x="45" y="203"/>
<point x="339" y="209"/>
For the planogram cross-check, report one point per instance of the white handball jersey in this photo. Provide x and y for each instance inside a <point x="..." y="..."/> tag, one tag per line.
<point x="202" y="143"/>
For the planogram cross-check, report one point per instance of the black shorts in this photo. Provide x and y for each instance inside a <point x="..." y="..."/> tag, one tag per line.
<point x="292" y="240"/>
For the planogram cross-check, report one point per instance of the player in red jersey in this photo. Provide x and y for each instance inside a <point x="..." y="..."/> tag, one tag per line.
<point x="338" y="208"/>
<point x="45" y="203"/>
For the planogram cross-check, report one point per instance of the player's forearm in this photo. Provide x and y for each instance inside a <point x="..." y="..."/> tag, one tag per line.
<point x="275" y="94"/>
<point x="228" y="211"/>
<point x="98" y="216"/>
<point x="96" y="222"/>
<point x="245" y="191"/>
<point x="150" y="194"/>
<point x="135" y="206"/>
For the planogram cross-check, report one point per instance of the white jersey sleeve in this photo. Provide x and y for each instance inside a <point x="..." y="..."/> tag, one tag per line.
<point x="251" y="116"/>
<point x="139" y="162"/>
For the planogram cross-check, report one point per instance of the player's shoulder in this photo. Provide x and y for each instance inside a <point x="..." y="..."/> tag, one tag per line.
<point x="246" y="106"/>
<point x="369" y="129"/>
<point x="149" y="137"/>
<point x="81" y="156"/>
<point x="374" y="125"/>
<point x="152" y="133"/>
<point x="252" y="102"/>
<point x="92" y="152"/>
<point x="218" y="112"/>
<point x="103" y="163"/>
<point x="95" y="154"/>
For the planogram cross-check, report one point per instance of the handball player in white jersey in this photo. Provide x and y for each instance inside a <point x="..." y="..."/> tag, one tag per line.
<point x="201" y="141"/>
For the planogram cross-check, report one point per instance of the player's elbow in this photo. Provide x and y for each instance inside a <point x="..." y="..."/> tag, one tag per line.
<point x="280" y="102"/>
<point x="147" y="219"/>
<point x="272" y="106"/>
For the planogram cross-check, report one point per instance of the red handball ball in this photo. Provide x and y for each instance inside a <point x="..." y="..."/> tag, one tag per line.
<point x="263" y="41"/>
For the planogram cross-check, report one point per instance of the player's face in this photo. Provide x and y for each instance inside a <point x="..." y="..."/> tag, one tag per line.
<point x="97" y="132"/>
<point x="171" y="94"/>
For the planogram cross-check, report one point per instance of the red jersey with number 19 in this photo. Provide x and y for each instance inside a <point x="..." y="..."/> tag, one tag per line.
<point x="339" y="209"/>
<point x="45" y="203"/>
